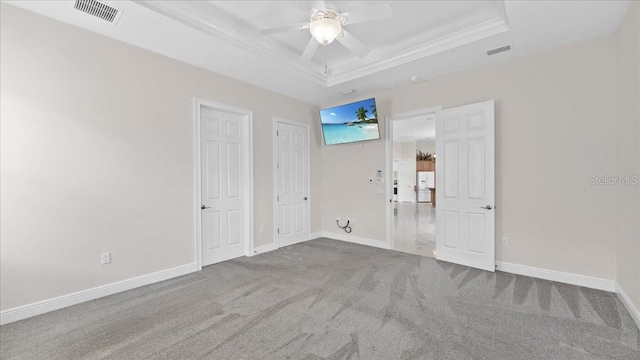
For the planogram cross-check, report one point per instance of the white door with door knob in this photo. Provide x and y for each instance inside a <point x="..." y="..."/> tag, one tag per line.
<point x="292" y="182"/>
<point x="225" y="185"/>
<point x="465" y="195"/>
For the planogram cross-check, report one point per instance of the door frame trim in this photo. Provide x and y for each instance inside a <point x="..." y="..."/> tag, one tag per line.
<point x="248" y="115"/>
<point x="389" y="161"/>
<point x="274" y="128"/>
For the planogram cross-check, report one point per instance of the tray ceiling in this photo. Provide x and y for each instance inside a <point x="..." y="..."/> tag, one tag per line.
<point x="415" y="30"/>
<point x="421" y="40"/>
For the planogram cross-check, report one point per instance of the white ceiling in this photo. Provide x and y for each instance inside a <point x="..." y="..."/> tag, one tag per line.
<point x="415" y="129"/>
<point x="425" y="39"/>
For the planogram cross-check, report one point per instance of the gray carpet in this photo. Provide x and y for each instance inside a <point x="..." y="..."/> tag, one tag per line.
<point x="326" y="299"/>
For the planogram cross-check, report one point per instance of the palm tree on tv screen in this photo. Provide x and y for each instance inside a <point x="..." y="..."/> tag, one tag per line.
<point x="362" y="113"/>
<point x="374" y="111"/>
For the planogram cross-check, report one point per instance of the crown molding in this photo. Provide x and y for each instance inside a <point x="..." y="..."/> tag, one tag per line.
<point x="483" y="30"/>
<point x="174" y="12"/>
<point x="468" y="35"/>
<point x="462" y="37"/>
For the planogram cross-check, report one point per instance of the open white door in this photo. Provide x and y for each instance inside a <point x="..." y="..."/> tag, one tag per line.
<point x="465" y="185"/>
<point x="292" y="182"/>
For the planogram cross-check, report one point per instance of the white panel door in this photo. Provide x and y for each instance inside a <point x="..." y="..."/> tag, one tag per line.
<point x="405" y="185"/>
<point x="465" y="189"/>
<point x="225" y="185"/>
<point x="292" y="149"/>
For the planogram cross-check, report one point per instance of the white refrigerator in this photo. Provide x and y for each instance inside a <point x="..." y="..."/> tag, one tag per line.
<point x="424" y="181"/>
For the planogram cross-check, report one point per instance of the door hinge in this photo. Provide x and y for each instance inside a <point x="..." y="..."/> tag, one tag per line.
<point x="277" y="133"/>
<point x="278" y="231"/>
<point x="277" y="165"/>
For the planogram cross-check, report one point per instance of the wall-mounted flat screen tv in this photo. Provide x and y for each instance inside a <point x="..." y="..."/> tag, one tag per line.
<point x="349" y="123"/>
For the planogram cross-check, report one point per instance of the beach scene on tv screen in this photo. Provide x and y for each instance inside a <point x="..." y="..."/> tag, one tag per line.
<point x="350" y="123"/>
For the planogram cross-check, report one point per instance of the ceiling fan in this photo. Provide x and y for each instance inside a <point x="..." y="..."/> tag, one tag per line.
<point x="327" y="24"/>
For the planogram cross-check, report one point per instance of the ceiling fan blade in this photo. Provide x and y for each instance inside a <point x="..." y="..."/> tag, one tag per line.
<point x="309" y="51"/>
<point x="319" y="6"/>
<point x="352" y="44"/>
<point x="279" y="29"/>
<point x="368" y="14"/>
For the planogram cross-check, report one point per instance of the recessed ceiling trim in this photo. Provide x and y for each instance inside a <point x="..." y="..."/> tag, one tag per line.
<point x="565" y="23"/>
<point x="474" y="33"/>
<point x="466" y="36"/>
<point x="462" y="37"/>
<point x="501" y="7"/>
<point x="171" y="11"/>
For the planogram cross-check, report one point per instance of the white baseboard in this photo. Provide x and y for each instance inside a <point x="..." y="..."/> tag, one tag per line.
<point x="356" y="240"/>
<point x="41" y="307"/>
<point x="264" y="248"/>
<point x="295" y="242"/>
<point x="633" y="310"/>
<point x="271" y="247"/>
<point x="558" y="276"/>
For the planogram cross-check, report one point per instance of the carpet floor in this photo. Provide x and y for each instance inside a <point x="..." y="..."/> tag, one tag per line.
<point x="326" y="299"/>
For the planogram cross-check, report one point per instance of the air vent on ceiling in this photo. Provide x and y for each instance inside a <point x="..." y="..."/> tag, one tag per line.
<point x="499" y="50"/>
<point x="99" y="9"/>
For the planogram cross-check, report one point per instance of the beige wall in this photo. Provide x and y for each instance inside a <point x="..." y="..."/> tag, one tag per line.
<point x="397" y="150"/>
<point x="554" y="129"/>
<point x="346" y="191"/>
<point x="408" y="150"/>
<point x="628" y="153"/>
<point x="98" y="155"/>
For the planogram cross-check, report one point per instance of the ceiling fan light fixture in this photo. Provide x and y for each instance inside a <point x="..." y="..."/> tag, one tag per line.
<point x="325" y="30"/>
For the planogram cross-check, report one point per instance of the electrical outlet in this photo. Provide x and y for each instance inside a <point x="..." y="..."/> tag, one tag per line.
<point x="261" y="228"/>
<point x="379" y="180"/>
<point x="105" y="258"/>
<point x="352" y="221"/>
<point x="505" y="241"/>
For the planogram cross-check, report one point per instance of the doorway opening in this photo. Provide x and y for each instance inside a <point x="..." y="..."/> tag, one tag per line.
<point x="411" y="153"/>
<point x="464" y="188"/>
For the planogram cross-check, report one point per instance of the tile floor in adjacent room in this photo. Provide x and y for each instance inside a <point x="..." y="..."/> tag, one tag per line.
<point x="414" y="228"/>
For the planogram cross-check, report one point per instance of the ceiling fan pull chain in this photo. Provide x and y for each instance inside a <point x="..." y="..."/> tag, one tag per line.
<point x="325" y="61"/>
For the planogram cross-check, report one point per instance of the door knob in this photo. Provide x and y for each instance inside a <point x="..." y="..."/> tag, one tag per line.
<point x="488" y="207"/>
<point x="306" y="198"/>
<point x="204" y="207"/>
